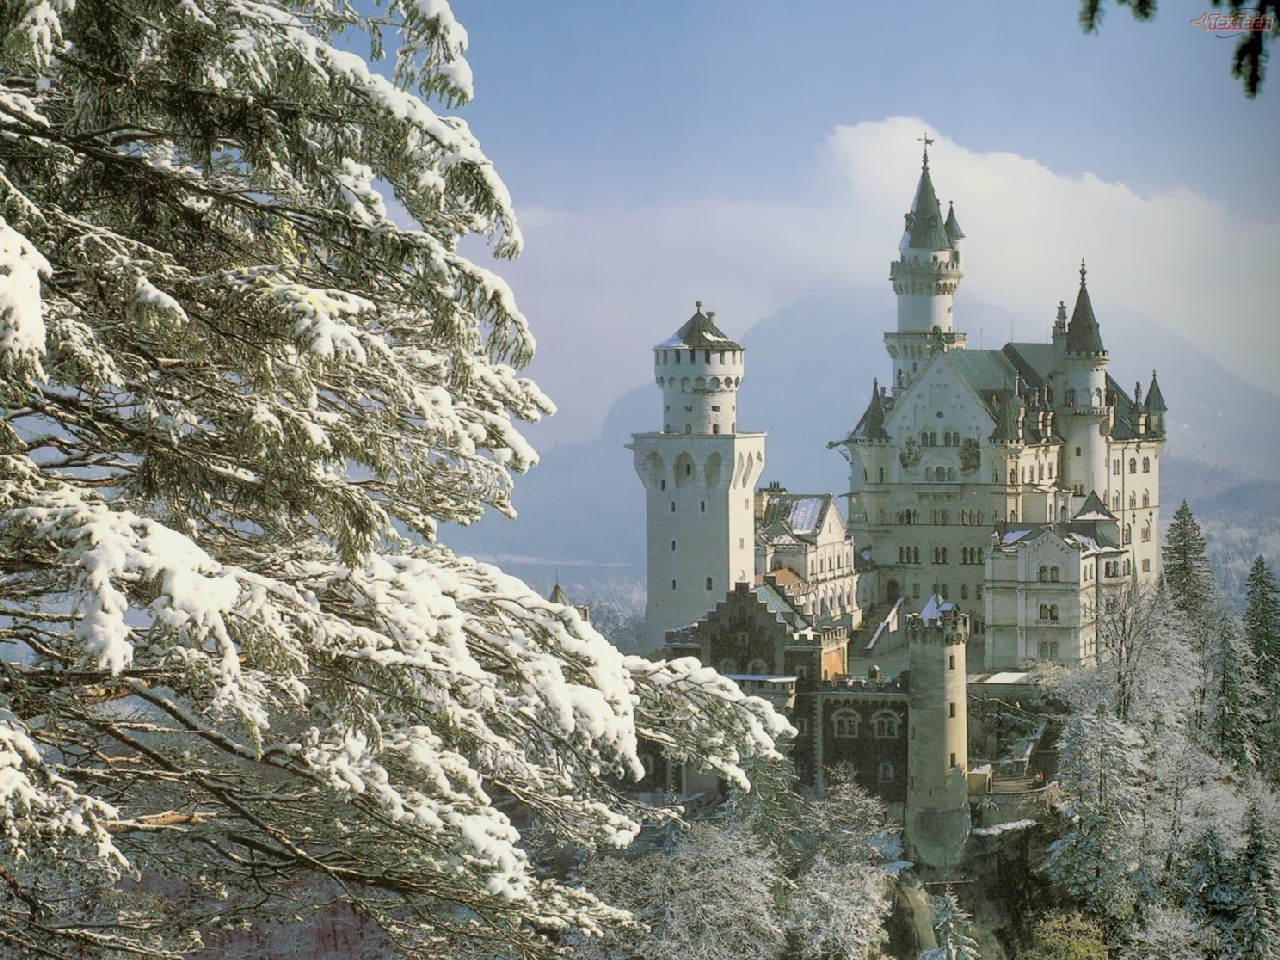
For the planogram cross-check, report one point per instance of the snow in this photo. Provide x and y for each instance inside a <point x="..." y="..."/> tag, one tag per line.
<point x="22" y="331"/>
<point x="999" y="828"/>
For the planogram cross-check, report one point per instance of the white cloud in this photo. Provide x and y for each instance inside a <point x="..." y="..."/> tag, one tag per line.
<point x="602" y="286"/>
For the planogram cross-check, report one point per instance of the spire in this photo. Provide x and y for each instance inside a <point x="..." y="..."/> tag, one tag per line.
<point x="558" y="595"/>
<point x="871" y="426"/>
<point x="1155" y="399"/>
<point x="925" y="230"/>
<point x="1009" y="423"/>
<point x="952" y="225"/>
<point x="1137" y="399"/>
<point x="1082" y="332"/>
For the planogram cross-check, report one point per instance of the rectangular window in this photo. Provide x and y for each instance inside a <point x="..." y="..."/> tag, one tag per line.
<point x="951" y="662"/>
<point x="673" y="584"/>
<point x="951" y="711"/>
<point x="673" y="545"/>
<point x="953" y="759"/>
<point x="1146" y="566"/>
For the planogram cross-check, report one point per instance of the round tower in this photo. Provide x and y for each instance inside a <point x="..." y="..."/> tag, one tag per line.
<point x="937" y="812"/>
<point x="925" y="278"/>
<point x="699" y="475"/>
<point x="1088" y="410"/>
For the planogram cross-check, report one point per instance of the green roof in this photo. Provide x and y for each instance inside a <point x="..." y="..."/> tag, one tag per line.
<point x="952" y="225"/>
<point x="1082" y="332"/>
<point x="871" y="426"/>
<point x="1155" y="399"/>
<point x="927" y="230"/>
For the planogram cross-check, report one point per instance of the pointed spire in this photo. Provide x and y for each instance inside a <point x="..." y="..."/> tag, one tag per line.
<point x="1062" y="315"/>
<point x="1155" y="399"/>
<point x="1009" y="423"/>
<point x="871" y="426"/>
<point x="952" y="225"/>
<point x="924" y="223"/>
<point x="1082" y="332"/>
<point x="558" y="595"/>
<point x="1137" y="398"/>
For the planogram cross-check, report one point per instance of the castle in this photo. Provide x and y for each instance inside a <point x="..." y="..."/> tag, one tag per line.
<point x="999" y="501"/>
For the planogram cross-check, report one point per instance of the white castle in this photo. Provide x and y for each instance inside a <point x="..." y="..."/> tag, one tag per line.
<point x="1020" y="485"/>
<point x="1000" y="501"/>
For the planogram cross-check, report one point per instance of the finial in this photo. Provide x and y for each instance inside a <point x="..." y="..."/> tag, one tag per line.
<point x="1062" y="311"/>
<point x="927" y="140"/>
<point x="711" y="314"/>
<point x="698" y="304"/>
<point x="1153" y="373"/>
<point x="1082" y="271"/>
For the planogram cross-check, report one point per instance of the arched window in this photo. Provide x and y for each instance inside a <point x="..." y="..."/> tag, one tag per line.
<point x="1053" y="612"/>
<point x="1133" y="464"/>
<point x="846" y="723"/>
<point x="933" y="438"/>
<point x="886" y="724"/>
<point x="1146" y="464"/>
<point x="1044" y="574"/>
<point x="1146" y="498"/>
<point x="1128" y="533"/>
<point x="928" y="473"/>
<point x="951" y="474"/>
<point x="886" y="772"/>
<point x="1146" y="532"/>
<point x="728" y="665"/>
<point x="1044" y="611"/>
<point x="709" y="582"/>
<point x="882" y="474"/>
<point x="757" y="667"/>
<point x="1133" y="500"/>
<point x="1053" y="574"/>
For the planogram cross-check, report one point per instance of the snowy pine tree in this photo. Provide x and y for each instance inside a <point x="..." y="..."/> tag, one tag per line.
<point x="1254" y="933"/>
<point x="237" y="400"/>
<point x="1229" y="727"/>
<point x="952" y="926"/>
<point x="1188" y="575"/>
<point x="1262" y="631"/>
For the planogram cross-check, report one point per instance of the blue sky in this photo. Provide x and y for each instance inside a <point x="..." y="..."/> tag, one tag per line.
<point x="750" y="154"/>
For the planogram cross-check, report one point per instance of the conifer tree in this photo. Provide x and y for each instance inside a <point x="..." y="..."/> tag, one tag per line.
<point x="1255" y="931"/>
<point x="1188" y="575"/>
<point x="1229" y="727"/>
<point x="237" y="401"/>
<point x="952" y="927"/>
<point x="1262" y="631"/>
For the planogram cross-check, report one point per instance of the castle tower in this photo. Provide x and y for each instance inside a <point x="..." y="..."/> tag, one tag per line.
<point x="925" y="278"/>
<point x="1088" y="413"/>
<point x="699" y="475"/>
<point x="937" y="813"/>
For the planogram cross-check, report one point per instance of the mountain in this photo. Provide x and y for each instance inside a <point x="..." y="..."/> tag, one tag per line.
<point x="810" y="368"/>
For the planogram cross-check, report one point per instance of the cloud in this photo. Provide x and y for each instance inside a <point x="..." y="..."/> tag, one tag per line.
<point x="602" y="286"/>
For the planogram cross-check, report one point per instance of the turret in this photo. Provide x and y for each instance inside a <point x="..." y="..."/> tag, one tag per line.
<point x="698" y="474"/>
<point x="925" y="278"/>
<point x="699" y="370"/>
<point x="1086" y="407"/>
<point x="937" y="812"/>
<point x="928" y="269"/>
<point x="1155" y="407"/>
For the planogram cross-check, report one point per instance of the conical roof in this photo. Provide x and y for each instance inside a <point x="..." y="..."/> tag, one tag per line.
<point x="1155" y="399"/>
<point x="1093" y="509"/>
<point x="1083" y="335"/>
<point x="559" y="596"/>
<point x="871" y="426"/>
<point x="699" y="332"/>
<point x="952" y="225"/>
<point x="1007" y="424"/>
<point x="927" y="231"/>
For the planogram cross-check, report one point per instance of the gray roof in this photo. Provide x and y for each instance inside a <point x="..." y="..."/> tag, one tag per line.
<point x="927" y="230"/>
<point x="1083" y="335"/>
<point x="699" y="333"/>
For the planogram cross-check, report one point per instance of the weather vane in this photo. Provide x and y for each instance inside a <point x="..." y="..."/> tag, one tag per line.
<point x="927" y="140"/>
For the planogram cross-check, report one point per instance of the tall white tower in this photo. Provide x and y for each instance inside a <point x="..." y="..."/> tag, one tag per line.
<point x="937" y="812"/>
<point x="1080" y="355"/>
<point x="925" y="278"/>
<point x="699" y="475"/>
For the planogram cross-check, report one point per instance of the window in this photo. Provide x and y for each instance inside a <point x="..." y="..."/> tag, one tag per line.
<point x="951" y="662"/>
<point x="1146" y="498"/>
<point x="953" y="760"/>
<point x="964" y="591"/>
<point x="1146" y="464"/>
<point x="758" y="667"/>
<point x="1044" y="611"/>
<point x="886" y="724"/>
<point x="882" y="474"/>
<point x="915" y="591"/>
<point x="846" y="723"/>
<point x="1053" y="574"/>
<point x="1128" y="533"/>
<point x="1133" y="465"/>
<point x="728" y="666"/>
<point x="1077" y="451"/>
<point x="886" y="772"/>
<point x="1145" y="533"/>
<point x="662" y="484"/>
<point x="951" y="709"/>
<point x="1044" y="574"/>
<point x="673" y="545"/>
<point x="1146" y="566"/>
<point x="1115" y="467"/>
<point x="673" y="506"/>
<point x="702" y="506"/>
<point x="1053" y="611"/>
<point x="673" y="584"/>
<point x="709" y="582"/>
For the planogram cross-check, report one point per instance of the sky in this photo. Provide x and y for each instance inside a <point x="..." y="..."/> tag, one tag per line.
<point x="753" y="154"/>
